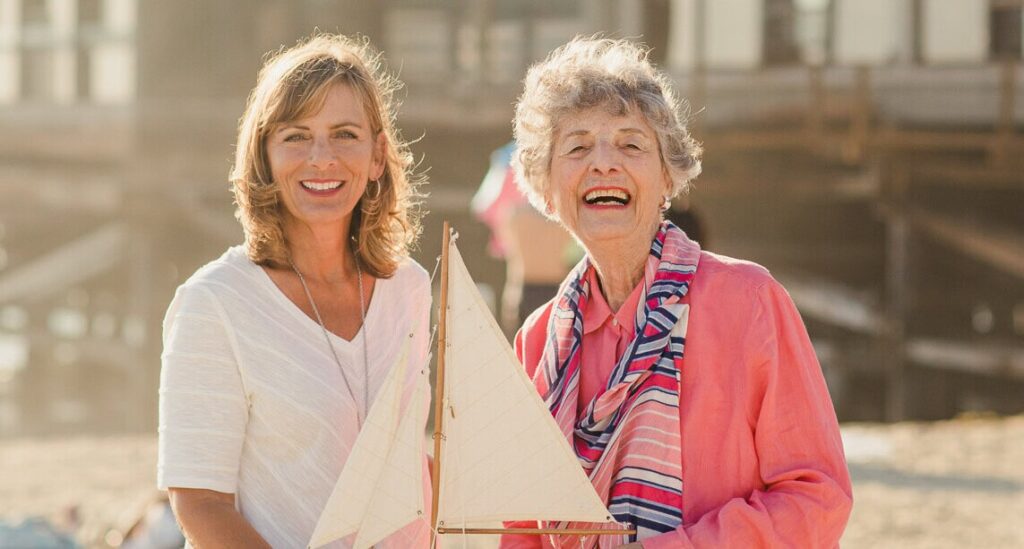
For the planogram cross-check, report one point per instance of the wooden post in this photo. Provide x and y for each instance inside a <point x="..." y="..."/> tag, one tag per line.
<point x="144" y="379"/>
<point x="917" y="30"/>
<point x="853" y="152"/>
<point x="816" y="108"/>
<point x="1007" y="105"/>
<point x="698" y="85"/>
<point x="452" y="20"/>
<point x="483" y="22"/>
<point x="896" y="288"/>
<point x="529" y="34"/>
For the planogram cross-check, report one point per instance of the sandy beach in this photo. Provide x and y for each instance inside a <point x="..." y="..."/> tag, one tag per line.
<point x="946" y="484"/>
<point x="950" y="484"/>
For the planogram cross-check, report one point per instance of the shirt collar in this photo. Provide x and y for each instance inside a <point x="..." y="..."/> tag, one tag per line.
<point x="598" y="312"/>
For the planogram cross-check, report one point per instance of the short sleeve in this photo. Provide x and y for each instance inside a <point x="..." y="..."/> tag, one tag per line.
<point x="203" y="404"/>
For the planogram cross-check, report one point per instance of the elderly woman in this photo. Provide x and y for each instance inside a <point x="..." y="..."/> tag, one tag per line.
<point x="684" y="380"/>
<point x="274" y="352"/>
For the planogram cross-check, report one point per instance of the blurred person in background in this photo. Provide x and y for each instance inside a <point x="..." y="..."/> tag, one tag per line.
<point x="274" y="352"/>
<point x="536" y="251"/>
<point x="684" y="380"/>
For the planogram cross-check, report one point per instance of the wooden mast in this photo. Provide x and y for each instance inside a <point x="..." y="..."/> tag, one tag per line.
<point x="442" y="337"/>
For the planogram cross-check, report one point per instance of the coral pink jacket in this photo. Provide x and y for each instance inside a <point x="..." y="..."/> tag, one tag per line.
<point x="762" y="461"/>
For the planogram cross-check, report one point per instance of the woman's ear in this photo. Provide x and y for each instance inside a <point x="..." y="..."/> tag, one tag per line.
<point x="379" y="156"/>
<point x="549" y="209"/>
<point x="666" y="182"/>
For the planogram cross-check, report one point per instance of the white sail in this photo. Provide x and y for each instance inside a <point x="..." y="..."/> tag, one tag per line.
<point x="504" y="456"/>
<point x="380" y="490"/>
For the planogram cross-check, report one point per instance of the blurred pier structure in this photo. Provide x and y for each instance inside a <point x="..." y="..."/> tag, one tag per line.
<point x="869" y="152"/>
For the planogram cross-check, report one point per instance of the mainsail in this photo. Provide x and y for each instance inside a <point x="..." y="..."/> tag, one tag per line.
<point x="499" y="454"/>
<point x="504" y="456"/>
<point x="380" y="490"/>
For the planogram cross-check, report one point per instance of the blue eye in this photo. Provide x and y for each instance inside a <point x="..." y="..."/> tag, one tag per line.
<point x="346" y="134"/>
<point x="294" y="137"/>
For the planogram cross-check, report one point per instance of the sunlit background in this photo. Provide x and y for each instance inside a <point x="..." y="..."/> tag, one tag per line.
<point x="868" y="152"/>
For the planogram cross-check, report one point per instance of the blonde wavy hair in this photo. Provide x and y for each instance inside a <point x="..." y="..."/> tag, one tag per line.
<point x="293" y="84"/>
<point x="598" y="72"/>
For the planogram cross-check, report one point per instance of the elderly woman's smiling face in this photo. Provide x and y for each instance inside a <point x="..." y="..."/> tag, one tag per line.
<point x="607" y="182"/>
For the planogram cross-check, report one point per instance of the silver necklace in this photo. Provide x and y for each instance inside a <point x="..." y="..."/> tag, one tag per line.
<point x="327" y="338"/>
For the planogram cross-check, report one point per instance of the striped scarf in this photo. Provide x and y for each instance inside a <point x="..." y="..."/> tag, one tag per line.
<point x="628" y="438"/>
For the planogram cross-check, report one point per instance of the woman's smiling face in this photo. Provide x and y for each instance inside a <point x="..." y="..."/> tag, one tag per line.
<point x="607" y="181"/>
<point x="322" y="163"/>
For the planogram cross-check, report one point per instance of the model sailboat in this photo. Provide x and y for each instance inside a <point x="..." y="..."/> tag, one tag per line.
<point x="499" y="456"/>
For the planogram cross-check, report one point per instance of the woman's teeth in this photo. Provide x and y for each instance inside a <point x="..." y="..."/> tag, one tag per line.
<point x="325" y="186"/>
<point x="606" y="196"/>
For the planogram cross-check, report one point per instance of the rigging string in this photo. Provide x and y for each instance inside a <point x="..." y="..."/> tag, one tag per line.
<point x="434" y="536"/>
<point x="433" y="330"/>
<point x="437" y="263"/>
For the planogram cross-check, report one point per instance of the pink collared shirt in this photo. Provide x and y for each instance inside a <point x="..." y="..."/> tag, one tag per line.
<point x="762" y="460"/>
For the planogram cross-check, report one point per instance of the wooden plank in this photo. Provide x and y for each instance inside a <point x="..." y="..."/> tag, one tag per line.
<point x="897" y="281"/>
<point x="832" y="303"/>
<point x="1001" y="249"/>
<point x="969" y="175"/>
<point x="66" y="266"/>
<point x="986" y="359"/>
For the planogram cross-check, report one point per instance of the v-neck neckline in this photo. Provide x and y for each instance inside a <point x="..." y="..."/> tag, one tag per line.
<point x="311" y="323"/>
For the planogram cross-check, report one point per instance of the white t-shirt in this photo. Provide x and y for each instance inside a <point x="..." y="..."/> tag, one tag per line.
<point x="252" y="402"/>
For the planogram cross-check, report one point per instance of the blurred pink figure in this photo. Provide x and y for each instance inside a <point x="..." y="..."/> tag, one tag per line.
<point x="533" y="271"/>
